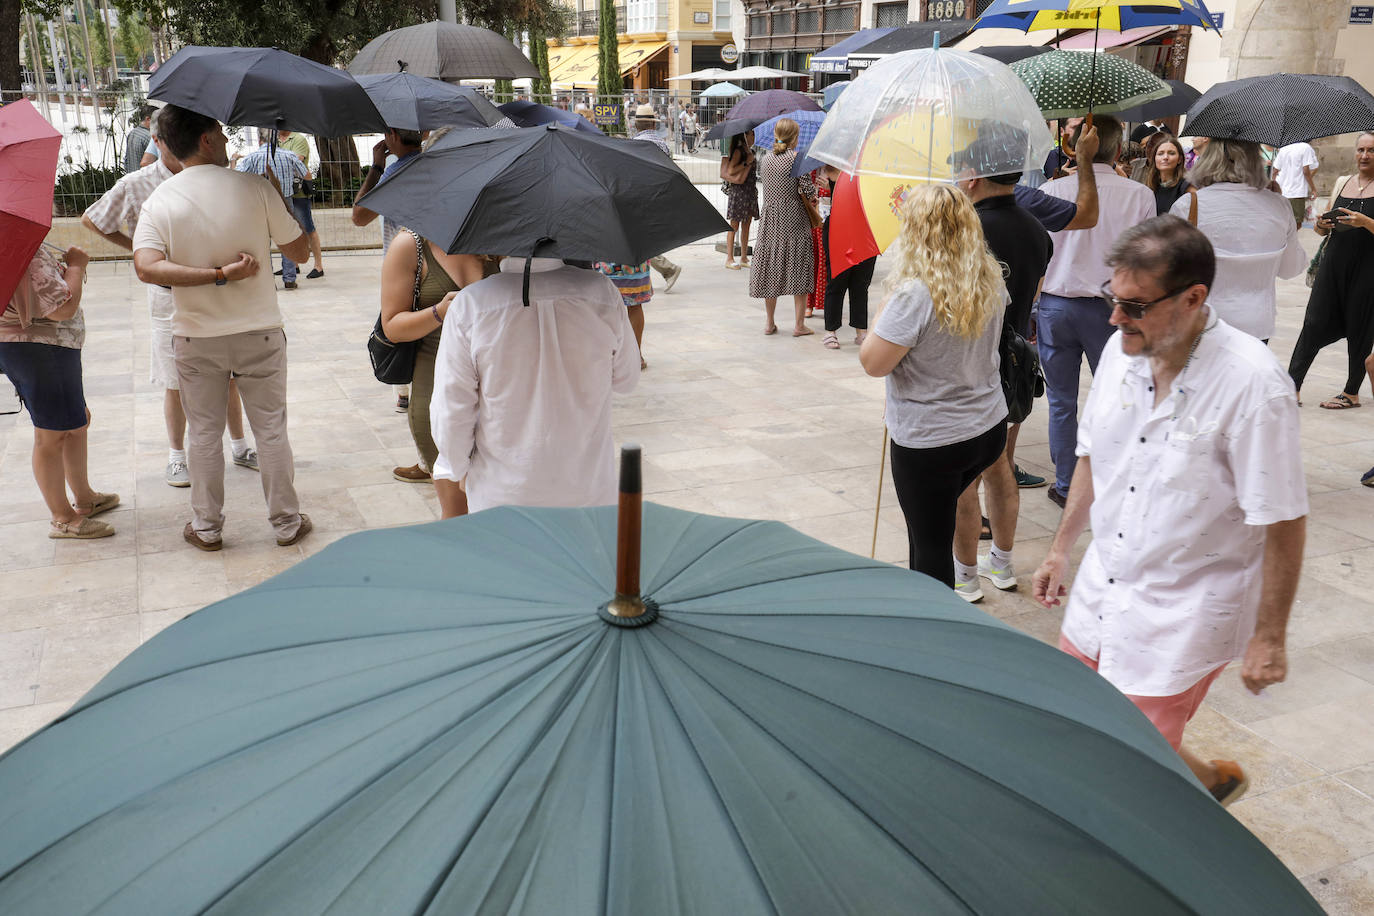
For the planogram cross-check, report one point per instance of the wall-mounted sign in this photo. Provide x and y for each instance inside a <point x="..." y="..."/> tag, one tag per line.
<point x="1219" y="20"/>
<point x="947" y="9"/>
<point x="1362" y="15"/>
<point x="701" y="18"/>
<point x="729" y="53"/>
<point x="605" y="115"/>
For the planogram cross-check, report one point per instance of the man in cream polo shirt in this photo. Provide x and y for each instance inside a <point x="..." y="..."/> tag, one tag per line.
<point x="205" y="233"/>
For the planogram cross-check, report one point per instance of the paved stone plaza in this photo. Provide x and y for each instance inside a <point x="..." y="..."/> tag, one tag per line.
<point x="732" y="423"/>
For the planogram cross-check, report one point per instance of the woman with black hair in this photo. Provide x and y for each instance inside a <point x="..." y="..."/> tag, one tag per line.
<point x="738" y="169"/>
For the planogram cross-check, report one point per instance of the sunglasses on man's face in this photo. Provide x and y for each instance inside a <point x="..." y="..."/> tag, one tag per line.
<point x="1134" y="308"/>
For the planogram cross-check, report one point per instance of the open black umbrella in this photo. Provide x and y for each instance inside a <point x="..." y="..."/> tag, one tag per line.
<point x="1280" y="109"/>
<point x="770" y="103"/>
<point x="1010" y="54"/>
<point x="417" y="103"/>
<point x="550" y="191"/>
<point x="732" y="126"/>
<point x="1180" y="98"/>
<point x="532" y="114"/>
<point x="774" y="727"/>
<point x="265" y="87"/>
<point x="444" y="51"/>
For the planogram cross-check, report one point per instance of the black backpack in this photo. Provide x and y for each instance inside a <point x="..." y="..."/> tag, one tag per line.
<point x="1022" y="380"/>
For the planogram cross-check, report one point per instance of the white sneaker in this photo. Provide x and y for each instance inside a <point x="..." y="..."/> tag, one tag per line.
<point x="1005" y="579"/>
<point x="971" y="591"/>
<point x="177" y="474"/>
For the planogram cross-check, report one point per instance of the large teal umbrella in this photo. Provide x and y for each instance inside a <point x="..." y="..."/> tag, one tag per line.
<point x="446" y="719"/>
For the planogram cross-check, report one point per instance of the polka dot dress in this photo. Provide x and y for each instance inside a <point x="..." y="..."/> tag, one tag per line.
<point x="784" y="257"/>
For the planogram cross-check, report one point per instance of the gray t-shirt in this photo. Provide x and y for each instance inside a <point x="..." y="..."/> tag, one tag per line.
<point x="946" y="389"/>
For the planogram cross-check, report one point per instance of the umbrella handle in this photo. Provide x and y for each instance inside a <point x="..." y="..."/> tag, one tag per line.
<point x="627" y="602"/>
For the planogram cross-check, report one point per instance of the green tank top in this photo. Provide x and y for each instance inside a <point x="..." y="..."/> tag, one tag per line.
<point x="437" y="283"/>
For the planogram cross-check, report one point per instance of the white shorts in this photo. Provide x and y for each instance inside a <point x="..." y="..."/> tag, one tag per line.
<point x="162" y="365"/>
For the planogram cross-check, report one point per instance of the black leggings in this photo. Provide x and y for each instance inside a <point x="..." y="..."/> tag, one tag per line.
<point x="1306" y="349"/>
<point x="928" y="483"/>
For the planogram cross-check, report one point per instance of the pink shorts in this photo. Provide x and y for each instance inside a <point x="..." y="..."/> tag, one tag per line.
<point x="1169" y="714"/>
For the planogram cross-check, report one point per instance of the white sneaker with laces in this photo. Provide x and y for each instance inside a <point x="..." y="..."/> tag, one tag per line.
<point x="971" y="592"/>
<point x="1005" y="579"/>
<point x="249" y="459"/>
<point x="177" y="474"/>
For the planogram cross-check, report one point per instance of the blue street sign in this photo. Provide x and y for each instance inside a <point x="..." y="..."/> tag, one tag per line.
<point x="1218" y="20"/>
<point x="1362" y="15"/>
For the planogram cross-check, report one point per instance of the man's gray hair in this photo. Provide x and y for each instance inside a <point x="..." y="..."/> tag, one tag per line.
<point x="1231" y="162"/>
<point x="1168" y="248"/>
<point x="152" y="125"/>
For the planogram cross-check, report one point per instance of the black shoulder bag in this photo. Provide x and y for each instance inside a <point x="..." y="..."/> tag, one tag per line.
<point x="1022" y="381"/>
<point x="394" y="363"/>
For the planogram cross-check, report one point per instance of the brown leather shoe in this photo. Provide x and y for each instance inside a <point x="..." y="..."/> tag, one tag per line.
<point x="412" y="474"/>
<point x="305" y="528"/>
<point x="195" y="540"/>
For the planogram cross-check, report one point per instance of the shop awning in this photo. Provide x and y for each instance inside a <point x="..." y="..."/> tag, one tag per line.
<point x="907" y="38"/>
<point x="576" y="65"/>
<point x="836" y="59"/>
<point x="1107" y="39"/>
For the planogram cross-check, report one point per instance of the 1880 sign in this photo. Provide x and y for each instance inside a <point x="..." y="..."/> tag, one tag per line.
<point x="947" y="9"/>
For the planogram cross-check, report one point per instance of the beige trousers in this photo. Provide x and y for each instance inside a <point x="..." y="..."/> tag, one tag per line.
<point x="257" y="360"/>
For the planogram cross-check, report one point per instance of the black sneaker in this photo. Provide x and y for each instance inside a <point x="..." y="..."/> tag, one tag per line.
<point x="1059" y="499"/>
<point x="276" y="273"/>
<point x="314" y="274"/>
<point x="1026" y="480"/>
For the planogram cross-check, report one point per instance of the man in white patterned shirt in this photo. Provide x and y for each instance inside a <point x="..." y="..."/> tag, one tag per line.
<point x="109" y="217"/>
<point x="1190" y="471"/>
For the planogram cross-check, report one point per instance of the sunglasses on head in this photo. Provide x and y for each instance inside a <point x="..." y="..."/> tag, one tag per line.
<point x="1134" y="308"/>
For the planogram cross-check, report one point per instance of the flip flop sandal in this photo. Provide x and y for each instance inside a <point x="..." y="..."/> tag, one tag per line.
<point x="1339" y="402"/>
<point x="831" y="342"/>
<point x="733" y="267"/>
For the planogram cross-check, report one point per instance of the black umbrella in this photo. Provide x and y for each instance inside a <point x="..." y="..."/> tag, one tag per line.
<point x="532" y="114"/>
<point x="548" y="191"/>
<point x="1281" y="109"/>
<point x="770" y="103"/>
<point x="1010" y="54"/>
<point x="264" y="87"/>
<point x="414" y="102"/>
<point x="732" y="126"/>
<point x="445" y="51"/>
<point x="1176" y="102"/>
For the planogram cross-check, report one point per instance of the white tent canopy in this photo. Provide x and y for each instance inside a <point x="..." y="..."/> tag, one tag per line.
<point x="709" y="75"/>
<point x="759" y="73"/>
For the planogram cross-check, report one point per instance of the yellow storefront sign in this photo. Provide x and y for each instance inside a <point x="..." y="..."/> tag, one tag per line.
<point x="577" y="65"/>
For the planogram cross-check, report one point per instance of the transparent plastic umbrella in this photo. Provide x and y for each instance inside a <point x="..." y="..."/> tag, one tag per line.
<point x="934" y="115"/>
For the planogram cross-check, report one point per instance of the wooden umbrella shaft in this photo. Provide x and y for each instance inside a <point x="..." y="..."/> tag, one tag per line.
<point x="627" y="601"/>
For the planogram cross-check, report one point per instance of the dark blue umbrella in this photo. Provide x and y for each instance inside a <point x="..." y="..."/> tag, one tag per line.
<point x="1281" y="108"/>
<point x="729" y="128"/>
<point x="532" y="114"/>
<point x="264" y="87"/>
<point x="775" y="727"/>
<point x="770" y="103"/>
<point x="415" y="102"/>
<point x="1179" y="99"/>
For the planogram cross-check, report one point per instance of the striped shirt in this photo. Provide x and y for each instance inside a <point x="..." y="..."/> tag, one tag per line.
<point x="286" y="165"/>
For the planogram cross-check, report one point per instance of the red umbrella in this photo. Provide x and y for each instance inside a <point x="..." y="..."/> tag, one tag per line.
<point x="28" y="168"/>
<point x="851" y="241"/>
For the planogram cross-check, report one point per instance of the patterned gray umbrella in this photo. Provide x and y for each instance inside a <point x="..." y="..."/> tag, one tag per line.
<point x="1282" y="108"/>
<point x="445" y="51"/>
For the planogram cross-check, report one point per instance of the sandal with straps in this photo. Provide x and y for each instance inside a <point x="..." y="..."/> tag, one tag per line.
<point x="831" y="342"/>
<point x="103" y="502"/>
<point x="84" y="529"/>
<point x="1341" y="401"/>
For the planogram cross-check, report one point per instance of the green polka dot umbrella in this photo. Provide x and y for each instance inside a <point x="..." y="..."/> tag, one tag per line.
<point x="1068" y="83"/>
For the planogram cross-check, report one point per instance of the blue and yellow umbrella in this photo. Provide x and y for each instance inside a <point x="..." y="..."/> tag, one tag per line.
<point x="1113" y="15"/>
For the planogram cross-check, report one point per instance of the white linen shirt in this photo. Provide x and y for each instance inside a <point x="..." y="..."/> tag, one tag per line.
<point x="1255" y="240"/>
<point x="117" y="211"/>
<point x="1169" y="587"/>
<point x="522" y="395"/>
<point x="1289" y="163"/>
<point x="1079" y="266"/>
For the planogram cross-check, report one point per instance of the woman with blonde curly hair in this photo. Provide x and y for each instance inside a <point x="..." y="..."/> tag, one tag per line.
<point x="936" y="342"/>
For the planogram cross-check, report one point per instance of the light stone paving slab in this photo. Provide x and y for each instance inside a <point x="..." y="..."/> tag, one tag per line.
<point x="732" y="423"/>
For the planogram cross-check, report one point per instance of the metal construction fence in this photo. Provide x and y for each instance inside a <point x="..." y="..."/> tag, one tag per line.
<point x="95" y="126"/>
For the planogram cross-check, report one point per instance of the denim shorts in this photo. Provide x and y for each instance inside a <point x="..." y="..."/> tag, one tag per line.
<point x="48" y="379"/>
<point x="304" y="216"/>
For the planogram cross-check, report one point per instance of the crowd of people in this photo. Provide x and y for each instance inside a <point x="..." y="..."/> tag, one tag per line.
<point x="1158" y="273"/>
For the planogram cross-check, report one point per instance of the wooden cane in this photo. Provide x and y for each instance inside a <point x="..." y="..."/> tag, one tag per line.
<point x="878" y="503"/>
